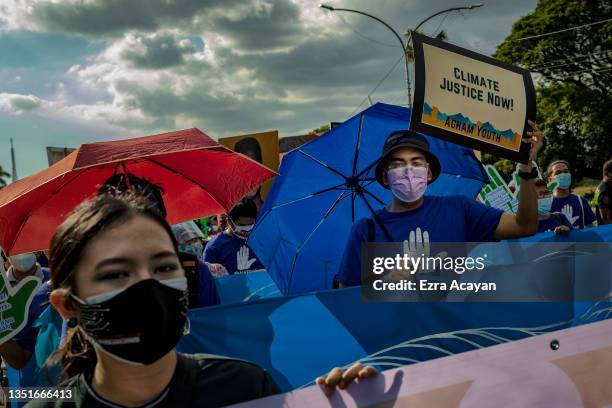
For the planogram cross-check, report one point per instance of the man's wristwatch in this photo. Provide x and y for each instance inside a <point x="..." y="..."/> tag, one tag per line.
<point x="528" y="175"/>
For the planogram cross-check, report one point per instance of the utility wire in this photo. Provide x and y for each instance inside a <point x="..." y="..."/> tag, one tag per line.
<point x="561" y="31"/>
<point x="569" y="63"/>
<point x="585" y="71"/>
<point x="377" y="85"/>
<point x="354" y="30"/>
<point x="597" y="56"/>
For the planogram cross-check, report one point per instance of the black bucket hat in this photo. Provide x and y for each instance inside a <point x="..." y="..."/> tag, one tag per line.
<point x="407" y="138"/>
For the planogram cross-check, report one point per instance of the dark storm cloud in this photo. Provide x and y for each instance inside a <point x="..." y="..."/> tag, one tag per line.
<point x="104" y="17"/>
<point x="276" y="24"/>
<point x="158" y="51"/>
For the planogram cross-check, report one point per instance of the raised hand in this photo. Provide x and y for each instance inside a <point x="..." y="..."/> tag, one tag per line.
<point x="242" y="259"/>
<point x="536" y="139"/>
<point x="14" y="303"/>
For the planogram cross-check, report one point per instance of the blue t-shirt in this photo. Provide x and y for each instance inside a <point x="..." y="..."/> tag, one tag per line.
<point x="208" y="295"/>
<point x="445" y="219"/>
<point x="225" y="249"/>
<point x="579" y="215"/>
<point x="555" y="220"/>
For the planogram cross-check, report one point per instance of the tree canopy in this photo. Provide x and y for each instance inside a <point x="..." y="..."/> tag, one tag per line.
<point x="567" y="44"/>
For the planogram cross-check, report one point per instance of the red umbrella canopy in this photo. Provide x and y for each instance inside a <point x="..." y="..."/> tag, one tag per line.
<point x="199" y="177"/>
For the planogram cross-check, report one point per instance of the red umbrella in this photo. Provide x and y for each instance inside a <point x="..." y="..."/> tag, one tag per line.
<point x="199" y="176"/>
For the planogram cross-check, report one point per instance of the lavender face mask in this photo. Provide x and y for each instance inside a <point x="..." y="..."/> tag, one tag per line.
<point x="408" y="183"/>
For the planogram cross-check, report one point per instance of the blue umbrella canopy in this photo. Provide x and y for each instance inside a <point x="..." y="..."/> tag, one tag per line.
<point x="327" y="184"/>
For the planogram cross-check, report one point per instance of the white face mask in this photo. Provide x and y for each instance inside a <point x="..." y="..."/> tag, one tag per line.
<point x="23" y="262"/>
<point x="244" y="228"/>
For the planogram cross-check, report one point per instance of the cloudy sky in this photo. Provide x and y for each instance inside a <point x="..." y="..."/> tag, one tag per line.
<point x="75" y="71"/>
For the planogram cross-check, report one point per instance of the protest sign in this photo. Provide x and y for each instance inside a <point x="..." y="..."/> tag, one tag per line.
<point x="14" y="305"/>
<point x="261" y="147"/>
<point x="471" y="99"/>
<point x="496" y="194"/>
<point x="570" y="367"/>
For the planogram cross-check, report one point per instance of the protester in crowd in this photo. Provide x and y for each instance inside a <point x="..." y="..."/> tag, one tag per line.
<point x="189" y="237"/>
<point x="22" y="352"/>
<point x="406" y="167"/>
<point x="230" y="248"/>
<point x="603" y="196"/>
<point x="118" y="282"/>
<point x="250" y="147"/>
<point x="576" y="208"/>
<point x="18" y="351"/>
<point x="190" y="247"/>
<point x="202" y="286"/>
<point x="549" y="221"/>
<point x="24" y="265"/>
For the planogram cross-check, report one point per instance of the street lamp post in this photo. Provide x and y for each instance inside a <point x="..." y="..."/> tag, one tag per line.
<point x="399" y="38"/>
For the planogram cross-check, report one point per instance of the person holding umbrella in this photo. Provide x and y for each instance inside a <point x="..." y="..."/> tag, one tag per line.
<point x="118" y="282"/>
<point x="407" y="167"/>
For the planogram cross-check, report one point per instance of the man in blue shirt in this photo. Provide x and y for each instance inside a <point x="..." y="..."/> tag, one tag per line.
<point x="406" y="168"/>
<point x="576" y="208"/>
<point x="229" y="248"/>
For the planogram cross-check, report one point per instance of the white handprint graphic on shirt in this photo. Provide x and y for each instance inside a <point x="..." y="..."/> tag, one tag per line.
<point x="242" y="258"/>
<point x="418" y="245"/>
<point x="568" y="211"/>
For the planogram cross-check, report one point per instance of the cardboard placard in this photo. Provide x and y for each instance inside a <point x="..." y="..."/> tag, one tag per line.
<point x="261" y="147"/>
<point x="471" y="99"/>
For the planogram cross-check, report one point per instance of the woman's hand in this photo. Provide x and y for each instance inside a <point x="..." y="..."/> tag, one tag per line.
<point x="562" y="229"/>
<point x="342" y="379"/>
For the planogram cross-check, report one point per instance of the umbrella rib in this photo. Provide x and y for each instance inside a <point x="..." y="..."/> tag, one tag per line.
<point x="374" y="197"/>
<point x="352" y="206"/>
<point x="306" y="197"/>
<point x="186" y="177"/>
<point x="357" y="145"/>
<point x="327" y="166"/>
<point x="368" y="168"/>
<point x="299" y="248"/>
<point x="303" y="198"/>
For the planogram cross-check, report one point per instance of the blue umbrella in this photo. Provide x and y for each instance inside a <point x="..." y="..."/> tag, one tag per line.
<point x="327" y="184"/>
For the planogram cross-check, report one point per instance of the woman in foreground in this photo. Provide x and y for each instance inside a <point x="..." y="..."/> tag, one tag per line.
<point x="118" y="282"/>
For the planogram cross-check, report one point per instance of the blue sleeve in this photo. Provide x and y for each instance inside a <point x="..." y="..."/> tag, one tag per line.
<point x="589" y="215"/>
<point x="211" y="252"/>
<point x="26" y="338"/>
<point x="350" y="266"/>
<point x="480" y="220"/>
<point x="208" y="295"/>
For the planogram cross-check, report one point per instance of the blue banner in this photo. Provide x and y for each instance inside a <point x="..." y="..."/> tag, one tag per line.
<point x="299" y="338"/>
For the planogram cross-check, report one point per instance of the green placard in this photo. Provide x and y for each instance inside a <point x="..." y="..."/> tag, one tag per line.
<point x="14" y="304"/>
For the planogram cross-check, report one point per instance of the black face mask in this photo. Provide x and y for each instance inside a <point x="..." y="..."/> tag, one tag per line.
<point x="140" y="324"/>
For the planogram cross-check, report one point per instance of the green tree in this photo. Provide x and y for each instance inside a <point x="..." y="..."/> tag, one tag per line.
<point x="3" y="175"/>
<point x="574" y="80"/>
<point x="410" y="51"/>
